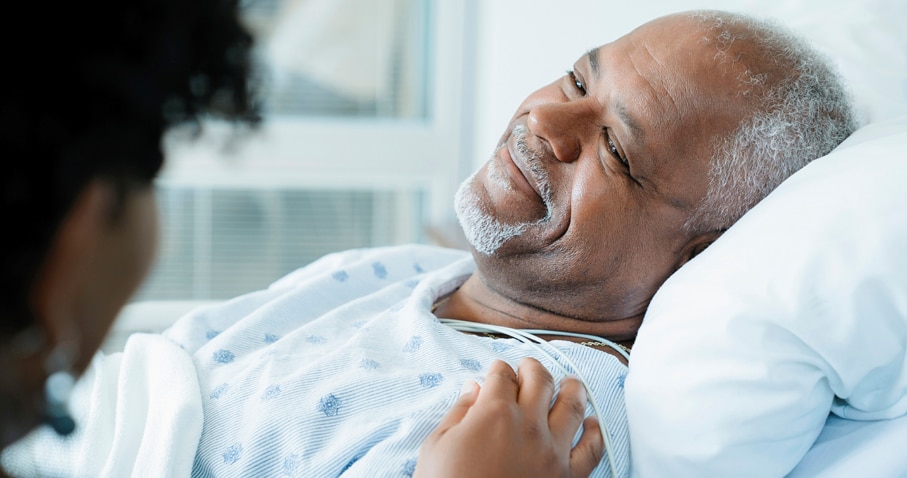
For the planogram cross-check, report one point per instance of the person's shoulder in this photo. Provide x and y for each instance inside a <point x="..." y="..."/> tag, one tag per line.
<point x="424" y="251"/>
<point x="422" y="256"/>
<point x="383" y="262"/>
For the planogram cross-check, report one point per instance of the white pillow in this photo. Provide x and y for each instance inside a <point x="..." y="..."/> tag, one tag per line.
<point x="799" y="309"/>
<point x="867" y="41"/>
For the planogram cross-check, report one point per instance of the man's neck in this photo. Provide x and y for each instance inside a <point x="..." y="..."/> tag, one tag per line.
<point x="474" y="301"/>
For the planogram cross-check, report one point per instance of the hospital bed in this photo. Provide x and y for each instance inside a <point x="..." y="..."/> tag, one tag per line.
<point x="868" y="42"/>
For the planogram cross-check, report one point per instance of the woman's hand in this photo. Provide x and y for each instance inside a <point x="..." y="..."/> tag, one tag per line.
<point x="506" y="429"/>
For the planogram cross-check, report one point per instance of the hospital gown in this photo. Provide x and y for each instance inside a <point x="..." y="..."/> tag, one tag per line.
<point x="341" y="369"/>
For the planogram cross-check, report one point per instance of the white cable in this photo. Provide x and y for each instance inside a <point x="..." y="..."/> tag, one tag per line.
<point x="622" y="351"/>
<point x="528" y="336"/>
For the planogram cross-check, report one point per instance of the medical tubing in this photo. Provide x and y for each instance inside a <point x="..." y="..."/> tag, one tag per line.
<point x="527" y="336"/>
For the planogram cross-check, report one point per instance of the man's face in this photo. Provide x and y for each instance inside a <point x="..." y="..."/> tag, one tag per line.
<point x="580" y="209"/>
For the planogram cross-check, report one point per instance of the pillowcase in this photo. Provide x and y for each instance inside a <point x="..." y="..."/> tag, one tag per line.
<point x="797" y="310"/>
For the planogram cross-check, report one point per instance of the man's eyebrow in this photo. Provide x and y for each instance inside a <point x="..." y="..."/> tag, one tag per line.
<point x="592" y="55"/>
<point x="636" y="132"/>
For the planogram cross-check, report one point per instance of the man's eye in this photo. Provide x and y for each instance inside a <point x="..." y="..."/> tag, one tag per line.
<point x="616" y="154"/>
<point x="578" y="84"/>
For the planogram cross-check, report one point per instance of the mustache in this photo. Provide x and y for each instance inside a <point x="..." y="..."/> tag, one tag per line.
<point x="533" y="160"/>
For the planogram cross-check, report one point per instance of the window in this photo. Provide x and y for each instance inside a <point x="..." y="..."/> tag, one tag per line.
<point x="361" y="146"/>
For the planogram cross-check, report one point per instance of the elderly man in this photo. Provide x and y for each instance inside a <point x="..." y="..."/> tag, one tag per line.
<point x="615" y="175"/>
<point x="605" y="182"/>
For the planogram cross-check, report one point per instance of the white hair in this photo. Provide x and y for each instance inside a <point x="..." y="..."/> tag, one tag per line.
<point x="801" y="111"/>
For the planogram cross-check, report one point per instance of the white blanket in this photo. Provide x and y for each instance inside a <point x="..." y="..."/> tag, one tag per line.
<point x="139" y="414"/>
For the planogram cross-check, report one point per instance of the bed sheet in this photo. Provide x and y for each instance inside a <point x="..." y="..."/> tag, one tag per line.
<point x="848" y="448"/>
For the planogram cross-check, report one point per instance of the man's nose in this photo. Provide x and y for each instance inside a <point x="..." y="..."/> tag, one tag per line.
<point x="563" y="125"/>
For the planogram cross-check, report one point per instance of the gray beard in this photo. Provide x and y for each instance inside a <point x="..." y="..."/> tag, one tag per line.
<point x="485" y="232"/>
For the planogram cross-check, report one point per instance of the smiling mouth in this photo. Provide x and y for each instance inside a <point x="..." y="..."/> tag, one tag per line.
<point x="523" y="166"/>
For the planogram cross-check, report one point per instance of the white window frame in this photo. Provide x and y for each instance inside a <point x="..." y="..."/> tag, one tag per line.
<point x="429" y="154"/>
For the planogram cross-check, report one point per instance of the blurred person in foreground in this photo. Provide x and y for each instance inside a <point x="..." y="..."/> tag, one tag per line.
<point x="84" y="108"/>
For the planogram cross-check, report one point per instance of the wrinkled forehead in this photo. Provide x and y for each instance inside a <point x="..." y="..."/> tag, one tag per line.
<point x="674" y="75"/>
<point x="680" y="99"/>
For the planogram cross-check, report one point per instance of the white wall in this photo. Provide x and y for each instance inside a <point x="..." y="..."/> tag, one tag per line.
<point x="525" y="44"/>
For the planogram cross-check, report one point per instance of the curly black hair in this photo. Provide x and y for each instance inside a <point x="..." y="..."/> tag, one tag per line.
<point x="89" y="89"/>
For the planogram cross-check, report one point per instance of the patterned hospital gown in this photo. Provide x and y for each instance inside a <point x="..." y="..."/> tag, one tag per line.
<point x="341" y="369"/>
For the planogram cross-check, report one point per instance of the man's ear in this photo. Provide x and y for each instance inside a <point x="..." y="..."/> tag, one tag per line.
<point x="696" y="245"/>
<point x="68" y="262"/>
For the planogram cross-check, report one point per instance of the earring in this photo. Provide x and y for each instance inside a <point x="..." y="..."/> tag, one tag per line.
<point x="58" y="389"/>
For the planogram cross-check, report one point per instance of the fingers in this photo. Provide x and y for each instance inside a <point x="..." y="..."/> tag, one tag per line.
<point x="467" y="398"/>
<point x="536" y="387"/>
<point x="507" y="428"/>
<point x="564" y="420"/>
<point x="588" y="452"/>
<point x="568" y="410"/>
<point x="501" y="382"/>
